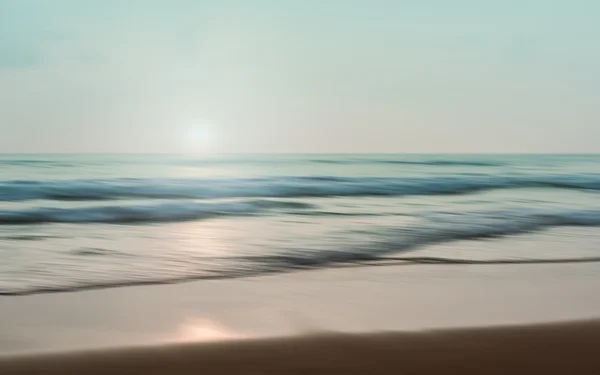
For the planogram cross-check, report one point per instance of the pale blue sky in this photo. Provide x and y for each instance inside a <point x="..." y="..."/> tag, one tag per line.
<point x="299" y="76"/>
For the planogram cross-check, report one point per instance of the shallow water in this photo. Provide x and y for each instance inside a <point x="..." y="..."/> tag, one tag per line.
<point x="77" y="221"/>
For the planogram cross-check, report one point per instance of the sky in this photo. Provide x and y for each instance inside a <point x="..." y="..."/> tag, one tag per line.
<point x="299" y="76"/>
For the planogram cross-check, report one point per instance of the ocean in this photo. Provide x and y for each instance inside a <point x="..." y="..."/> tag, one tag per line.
<point x="74" y="222"/>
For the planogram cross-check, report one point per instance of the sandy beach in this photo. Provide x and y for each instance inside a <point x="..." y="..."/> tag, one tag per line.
<point x="544" y="349"/>
<point x="299" y="187"/>
<point x="426" y="319"/>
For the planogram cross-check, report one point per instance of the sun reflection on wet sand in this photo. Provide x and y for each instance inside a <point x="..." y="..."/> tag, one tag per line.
<point x="201" y="329"/>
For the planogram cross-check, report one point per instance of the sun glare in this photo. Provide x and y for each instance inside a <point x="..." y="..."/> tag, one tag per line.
<point x="200" y="138"/>
<point x="198" y="330"/>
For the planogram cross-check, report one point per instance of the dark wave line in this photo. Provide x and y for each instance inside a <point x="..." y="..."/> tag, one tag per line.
<point x="457" y="261"/>
<point x="380" y="261"/>
<point x="169" y="212"/>
<point x="298" y="187"/>
<point x="449" y="163"/>
<point x="27" y="237"/>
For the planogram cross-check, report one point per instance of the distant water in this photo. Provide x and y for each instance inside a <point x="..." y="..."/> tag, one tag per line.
<point x="69" y="222"/>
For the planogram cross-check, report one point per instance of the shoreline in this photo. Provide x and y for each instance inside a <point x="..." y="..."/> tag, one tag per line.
<point x="362" y="300"/>
<point x="557" y="348"/>
<point x="384" y="261"/>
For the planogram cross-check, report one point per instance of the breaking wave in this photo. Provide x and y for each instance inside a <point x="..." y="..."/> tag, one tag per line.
<point x="169" y="212"/>
<point x="435" y="227"/>
<point x="88" y="190"/>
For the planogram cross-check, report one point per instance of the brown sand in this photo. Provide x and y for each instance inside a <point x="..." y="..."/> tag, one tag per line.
<point x="359" y="302"/>
<point x="567" y="348"/>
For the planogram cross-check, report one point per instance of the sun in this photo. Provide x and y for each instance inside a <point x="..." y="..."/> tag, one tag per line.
<point x="200" y="138"/>
<point x="201" y="134"/>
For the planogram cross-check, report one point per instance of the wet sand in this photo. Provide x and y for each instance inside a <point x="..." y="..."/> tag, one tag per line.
<point x="386" y="319"/>
<point x="544" y="349"/>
